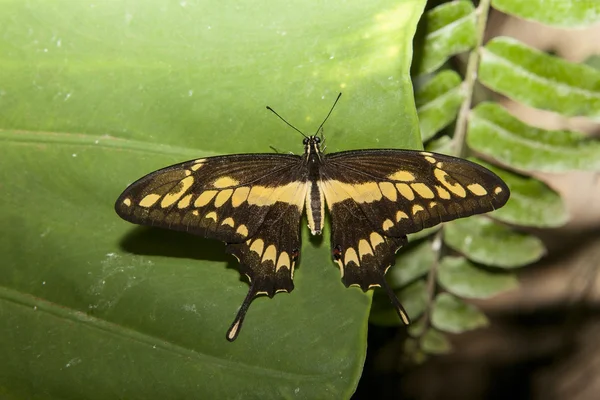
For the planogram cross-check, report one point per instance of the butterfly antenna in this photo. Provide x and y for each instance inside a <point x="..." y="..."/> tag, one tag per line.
<point x="283" y="119"/>
<point x="328" y="114"/>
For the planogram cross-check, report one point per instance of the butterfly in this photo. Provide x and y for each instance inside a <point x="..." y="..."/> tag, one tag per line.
<point x="254" y="203"/>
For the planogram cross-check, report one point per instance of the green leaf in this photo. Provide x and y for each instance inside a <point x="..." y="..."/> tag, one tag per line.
<point x="412" y="263"/>
<point x="464" y="279"/>
<point x="487" y="242"/>
<point x="94" y="96"/>
<point x="451" y="314"/>
<point x="493" y="131"/>
<point x="539" y="80"/>
<point x="442" y="145"/>
<point x="78" y="283"/>
<point x="559" y="13"/>
<point x="413" y="299"/>
<point x="531" y="203"/>
<point x="435" y="342"/>
<point x="446" y="30"/>
<point x="438" y="102"/>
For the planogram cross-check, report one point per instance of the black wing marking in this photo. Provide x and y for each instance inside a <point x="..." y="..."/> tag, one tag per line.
<point x="268" y="259"/>
<point x="377" y="197"/>
<point x="225" y="198"/>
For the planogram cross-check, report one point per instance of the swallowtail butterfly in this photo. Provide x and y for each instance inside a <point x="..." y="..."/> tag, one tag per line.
<point x="254" y="203"/>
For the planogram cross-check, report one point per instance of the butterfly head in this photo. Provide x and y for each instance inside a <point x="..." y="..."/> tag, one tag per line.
<point x="312" y="145"/>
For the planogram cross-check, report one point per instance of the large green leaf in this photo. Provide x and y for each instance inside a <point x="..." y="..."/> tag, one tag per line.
<point x="560" y="13"/>
<point x="464" y="279"/>
<point x="487" y="242"/>
<point x="93" y="307"/>
<point x="438" y="102"/>
<point x="540" y="80"/>
<point x="494" y="131"/>
<point x="446" y="30"/>
<point x="531" y="203"/>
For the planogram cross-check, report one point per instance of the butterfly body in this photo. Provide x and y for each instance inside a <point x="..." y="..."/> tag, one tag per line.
<point x="254" y="203"/>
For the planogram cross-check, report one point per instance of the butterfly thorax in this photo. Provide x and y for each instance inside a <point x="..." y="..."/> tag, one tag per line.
<point x="314" y="196"/>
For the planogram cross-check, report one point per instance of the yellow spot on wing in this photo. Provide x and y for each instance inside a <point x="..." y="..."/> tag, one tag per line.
<point x="423" y="190"/>
<point x="292" y="193"/>
<point x="212" y="215"/>
<point x="270" y="254"/>
<point x="257" y="246"/>
<point x="195" y="212"/>
<point x="404" y="176"/>
<point x="239" y="196"/>
<point x="376" y="239"/>
<point x="205" y="198"/>
<point x="417" y="208"/>
<point x="388" y="190"/>
<point x="179" y="190"/>
<point x="477" y="189"/>
<point x="426" y="153"/>
<point x="364" y="248"/>
<point x="283" y="262"/>
<point x="455" y="188"/>
<point x="222" y="197"/>
<point x="228" y="221"/>
<point x="351" y="256"/>
<point x="242" y="230"/>
<point x="224" y="182"/>
<point x="405" y="191"/>
<point x="127" y="202"/>
<point x="431" y="159"/>
<point x="387" y="224"/>
<point x="336" y="191"/>
<point x="401" y="215"/>
<point x="185" y="202"/>
<point x="443" y="193"/>
<point x="197" y="164"/>
<point x="433" y="204"/>
<point x="498" y="190"/>
<point x="341" y="265"/>
<point x="149" y="200"/>
<point x="187" y="172"/>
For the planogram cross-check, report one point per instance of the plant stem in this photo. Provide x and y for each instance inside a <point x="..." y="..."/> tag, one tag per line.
<point x="432" y="280"/>
<point x="460" y="131"/>
<point x="459" y="140"/>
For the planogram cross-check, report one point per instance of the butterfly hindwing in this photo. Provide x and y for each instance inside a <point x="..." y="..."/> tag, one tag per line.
<point x="225" y="198"/>
<point x="268" y="259"/>
<point x="362" y="253"/>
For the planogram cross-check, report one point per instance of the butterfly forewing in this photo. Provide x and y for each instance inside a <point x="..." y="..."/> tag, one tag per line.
<point x="225" y="198"/>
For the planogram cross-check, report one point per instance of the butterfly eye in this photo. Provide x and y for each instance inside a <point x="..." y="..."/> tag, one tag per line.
<point x="317" y="139"/>
<point x="305" y="141"/>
